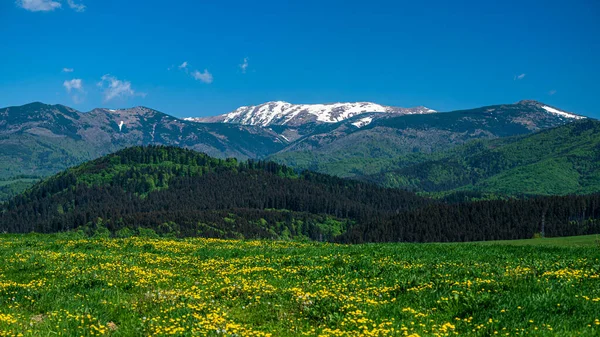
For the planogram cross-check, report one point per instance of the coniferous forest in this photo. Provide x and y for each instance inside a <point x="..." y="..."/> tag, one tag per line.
<point x="179" y="192"/>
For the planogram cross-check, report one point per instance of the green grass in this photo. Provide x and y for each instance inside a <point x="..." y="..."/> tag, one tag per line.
<point x="570" y="241"/>
<point x="52" y="285"/>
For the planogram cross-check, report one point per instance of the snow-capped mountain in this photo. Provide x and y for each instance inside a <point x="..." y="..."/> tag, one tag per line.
<point x="283" y="113"/>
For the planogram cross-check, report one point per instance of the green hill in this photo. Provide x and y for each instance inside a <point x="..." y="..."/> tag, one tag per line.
<point x="186" y="193"/>
<point x="558" y="161"/>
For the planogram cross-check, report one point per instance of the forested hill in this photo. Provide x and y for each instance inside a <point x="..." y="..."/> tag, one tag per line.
<point x="174" y="190"/>
<point x="558" y="161"/>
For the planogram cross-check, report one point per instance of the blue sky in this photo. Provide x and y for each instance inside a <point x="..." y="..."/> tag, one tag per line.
<point x="445" y="55"/>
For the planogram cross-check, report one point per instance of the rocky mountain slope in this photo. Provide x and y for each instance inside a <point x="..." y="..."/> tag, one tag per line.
<point x="40" y="139"/>
<point x="354" y="147"/>
<point x="283" y="113"/>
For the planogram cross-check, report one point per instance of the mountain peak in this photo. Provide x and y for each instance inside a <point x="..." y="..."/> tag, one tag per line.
<point x="529" y="102"/>
<point x="284" y="113"/>
<point x="549" y="109"/>
<point x="37" y="105"/>
<point x="137" y="110"/>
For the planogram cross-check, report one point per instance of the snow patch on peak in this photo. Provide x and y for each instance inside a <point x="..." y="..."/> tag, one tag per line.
<point x="363" y="122"/>
<point x="282" y="113"/>
<point x="561" y="113"/>
<point x="261" y="114"/>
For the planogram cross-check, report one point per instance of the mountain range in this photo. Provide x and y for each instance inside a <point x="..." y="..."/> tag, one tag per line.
<point x="41" y="139"/>
<point x="361" y="140"/>
<point x="347" y="150"/>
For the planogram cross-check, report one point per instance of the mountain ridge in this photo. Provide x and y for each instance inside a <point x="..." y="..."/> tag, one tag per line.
<point x="284" y="113"/>
<point x="48" y="138"/>
<point x="346" y="150"/>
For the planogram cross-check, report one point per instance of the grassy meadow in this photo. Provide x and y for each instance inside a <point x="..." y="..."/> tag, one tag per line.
<point x="65" y="285"/>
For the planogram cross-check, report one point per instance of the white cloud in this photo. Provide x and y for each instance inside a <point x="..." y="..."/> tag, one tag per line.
<point x="38" y="5"/>
<point x="68" y="70"/>
<point x="519" y="77"/>
<point x="551" y="92"/>
<point x="76" y="7"/>
<point x="205" y="77"/>
<point x="244" y="65"/>
<point x="115" y="88"/>
<point x="48" y="5"/>
<point x="74" y="84"/>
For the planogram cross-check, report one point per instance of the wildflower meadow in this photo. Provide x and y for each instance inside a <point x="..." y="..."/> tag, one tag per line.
<point x="64" y="285"/>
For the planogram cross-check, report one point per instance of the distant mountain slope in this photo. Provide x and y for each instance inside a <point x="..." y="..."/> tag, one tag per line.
<point x="558" y="161"/>
<point x="155" y="187"/>
<point x="283" y="113"/>
<point x="39" y="139"/>
<point x="354" y="149"/>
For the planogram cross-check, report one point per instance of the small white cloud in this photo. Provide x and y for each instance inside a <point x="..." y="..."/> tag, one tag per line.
<point x="244" y="65"/>
<point x="38" y="5"/>
<point x="551" y="92"/>
<point x="76" y="7"/>
<point x="115" y="88"/>
<point x="519" y="77"/>
<point x="68" y="70"/>
<point x="74" y="84"/>
<point x="205" y="77"/>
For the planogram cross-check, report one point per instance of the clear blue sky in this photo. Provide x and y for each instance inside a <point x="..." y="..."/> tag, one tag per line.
<point x="445" y="55"/>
